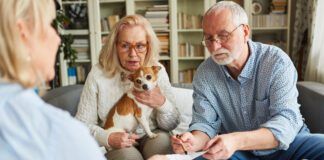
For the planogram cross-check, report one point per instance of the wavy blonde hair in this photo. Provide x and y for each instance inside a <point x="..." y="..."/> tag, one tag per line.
<point x="108" y="58"/>
<point x="15" y="64"/>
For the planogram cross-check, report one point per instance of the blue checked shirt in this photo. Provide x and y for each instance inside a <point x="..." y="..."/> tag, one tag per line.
<point x="263" y="96"/>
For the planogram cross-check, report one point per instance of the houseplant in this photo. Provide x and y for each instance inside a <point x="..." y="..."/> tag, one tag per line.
<point x="59" y="22"/>
<point x="65" y="47"/>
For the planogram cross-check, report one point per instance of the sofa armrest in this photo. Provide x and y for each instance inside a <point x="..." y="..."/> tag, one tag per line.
<point x="66" y="98"/>
<point x="311" y="98"/>
<point x="184" y="102"/>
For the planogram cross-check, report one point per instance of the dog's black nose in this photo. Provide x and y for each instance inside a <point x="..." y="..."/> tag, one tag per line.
<point x="145" y="87"/>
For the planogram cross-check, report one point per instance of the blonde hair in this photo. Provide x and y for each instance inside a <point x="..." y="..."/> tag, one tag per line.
<point x="15" y="63"/>
<point x="108" y="58"/>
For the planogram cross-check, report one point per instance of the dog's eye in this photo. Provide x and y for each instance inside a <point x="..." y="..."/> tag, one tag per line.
<point x="148" y="77"/>
<point x="138" y="81"/>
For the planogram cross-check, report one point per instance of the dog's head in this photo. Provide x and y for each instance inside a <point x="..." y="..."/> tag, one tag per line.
<point x="145" y="78"/>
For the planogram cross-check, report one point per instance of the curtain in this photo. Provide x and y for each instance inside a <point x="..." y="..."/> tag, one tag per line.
<point x="315" y="63"/>
<point x="305" y="10"/>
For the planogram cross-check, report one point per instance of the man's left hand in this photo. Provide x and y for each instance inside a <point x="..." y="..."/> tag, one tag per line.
<point x="221" y="147"/>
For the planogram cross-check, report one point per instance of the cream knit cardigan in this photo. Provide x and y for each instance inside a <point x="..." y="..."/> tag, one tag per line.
<point x="100" y="93"/>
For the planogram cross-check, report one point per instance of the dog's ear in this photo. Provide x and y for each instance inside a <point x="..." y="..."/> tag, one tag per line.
<point x="156" y="69"/>
<point x="131" y="77"/>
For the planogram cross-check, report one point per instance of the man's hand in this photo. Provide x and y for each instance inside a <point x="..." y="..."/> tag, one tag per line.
<point x="182" y="143"/>
<point x="221" y="147"/>
<point x="153" y="98"/>
<point x="122" y="140"/>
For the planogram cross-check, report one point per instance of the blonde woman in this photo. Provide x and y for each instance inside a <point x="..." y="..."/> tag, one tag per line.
<point x="132" y="43"/>
<point x="30" y="128"/>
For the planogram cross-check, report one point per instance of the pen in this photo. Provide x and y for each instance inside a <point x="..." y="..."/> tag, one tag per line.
<point x="129" y="134"/>
<point x="185" y="151"/>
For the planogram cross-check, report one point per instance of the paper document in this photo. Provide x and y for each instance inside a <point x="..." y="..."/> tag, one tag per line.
<point x="188" y="156"/>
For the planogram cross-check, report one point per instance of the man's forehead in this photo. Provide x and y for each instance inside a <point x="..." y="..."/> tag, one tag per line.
<point x="221" y="14"/>
<point x="215" y="23"/>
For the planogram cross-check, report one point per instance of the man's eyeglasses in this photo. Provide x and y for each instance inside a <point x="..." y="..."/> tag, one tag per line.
<point x="221" y="38"/>
<point x="127" y="47"/>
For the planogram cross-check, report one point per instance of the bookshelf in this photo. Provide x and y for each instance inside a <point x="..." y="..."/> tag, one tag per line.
<point x="157" y="12"/>
<point x="177" y="23"/>
<point x="80" y="28"/>
<point x="271" y="25"/>
<point x="190" y="52"/>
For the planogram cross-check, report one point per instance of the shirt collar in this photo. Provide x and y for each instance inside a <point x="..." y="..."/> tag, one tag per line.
<point x="248" y="69"/>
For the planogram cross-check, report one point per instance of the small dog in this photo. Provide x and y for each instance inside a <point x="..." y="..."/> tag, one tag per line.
<point x="127" y="112"/>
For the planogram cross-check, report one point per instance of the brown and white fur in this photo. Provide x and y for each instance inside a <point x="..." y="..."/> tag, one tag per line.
<point x="127" y="112"/>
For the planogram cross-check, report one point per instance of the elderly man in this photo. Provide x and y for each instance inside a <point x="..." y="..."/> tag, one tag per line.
<point x="245" y="97"/>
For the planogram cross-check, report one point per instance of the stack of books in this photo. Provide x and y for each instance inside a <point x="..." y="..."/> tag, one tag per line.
<point x="82" y="48"/>
<point x="164" y="43"/>
<point x="269" y="20"/>
<point x="186" y="76"/>
<point x="279" y="6"/>
<point x="188" y="21"/>
<point x="108" y="22"/>
<point x="158" y="16"/>
<point x="190" y="50"/>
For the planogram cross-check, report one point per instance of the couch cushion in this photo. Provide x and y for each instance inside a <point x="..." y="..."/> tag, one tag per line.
<point x="311" y="98"/>
<point x="184" y="103"/>
<point x="182" y="85"/>
<point x="66" y="98"/>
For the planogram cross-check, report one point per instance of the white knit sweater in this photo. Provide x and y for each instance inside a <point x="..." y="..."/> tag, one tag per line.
<point x="100" y="93"/>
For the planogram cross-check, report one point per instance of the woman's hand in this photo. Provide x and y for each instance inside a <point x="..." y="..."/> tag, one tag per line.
<point x="122" y="139"/>
<point x="152" y="98"/>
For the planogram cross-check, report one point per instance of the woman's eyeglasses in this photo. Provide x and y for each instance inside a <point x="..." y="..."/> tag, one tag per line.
<point x="127" y="47"/>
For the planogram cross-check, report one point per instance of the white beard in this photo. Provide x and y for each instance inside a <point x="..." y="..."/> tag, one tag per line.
<point x="225" y="61"/>
<point x="230" y="57"/>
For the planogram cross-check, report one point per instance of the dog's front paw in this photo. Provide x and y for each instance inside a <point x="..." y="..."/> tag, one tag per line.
<point x="153" y="135"/>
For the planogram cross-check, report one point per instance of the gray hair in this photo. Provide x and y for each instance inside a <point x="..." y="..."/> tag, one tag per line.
<point x="239" y="15"/>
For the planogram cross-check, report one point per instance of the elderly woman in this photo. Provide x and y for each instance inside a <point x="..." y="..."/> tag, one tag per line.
<point x="131" y="44"/>
<point x="30" y="128"/>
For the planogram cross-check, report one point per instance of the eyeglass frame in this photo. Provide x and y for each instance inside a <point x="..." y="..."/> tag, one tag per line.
<point x="218" y="40"/>
<point x="133" y="46"/>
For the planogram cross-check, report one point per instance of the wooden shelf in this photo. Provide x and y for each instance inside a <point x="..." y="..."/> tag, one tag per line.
<point x="82" y="60"/>
<point x="104" y="32"/>
<point x="268" y="28"/>
<point x="111" y="1"/>
<point x="76" y="32"/>
<point x="163" y="58"/>
<point x="190" y="30"/>
<point x="191" y="58"/>
<point x="150" y="1"/>
<point x="73" y="2"/>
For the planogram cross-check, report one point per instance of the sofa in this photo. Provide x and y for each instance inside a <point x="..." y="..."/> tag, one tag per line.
<point x="67" y="98"/>
<point x="311" y="98"/>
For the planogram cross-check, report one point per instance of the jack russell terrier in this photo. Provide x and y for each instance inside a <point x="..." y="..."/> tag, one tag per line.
<point x="127" y="112"/>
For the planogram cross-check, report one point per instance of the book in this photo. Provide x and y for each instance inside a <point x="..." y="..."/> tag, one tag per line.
<point x="112" y="20"/>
